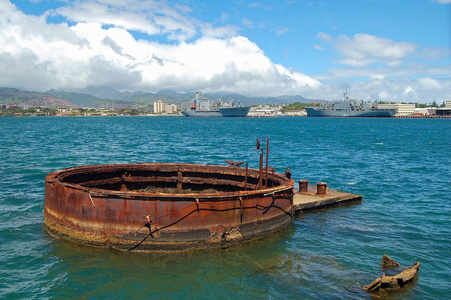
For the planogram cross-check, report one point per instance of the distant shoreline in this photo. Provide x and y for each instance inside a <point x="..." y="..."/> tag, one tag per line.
<point x="252" y="117"/>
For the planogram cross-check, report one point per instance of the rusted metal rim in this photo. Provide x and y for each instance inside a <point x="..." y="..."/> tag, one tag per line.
<point x="165" y="206"/>
<point x="280" y="182"/>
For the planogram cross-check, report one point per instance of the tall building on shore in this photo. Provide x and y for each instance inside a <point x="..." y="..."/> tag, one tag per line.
<point x="161" y="107"/>
<point x="158" y="106"/>
<point x="170" y="108"/>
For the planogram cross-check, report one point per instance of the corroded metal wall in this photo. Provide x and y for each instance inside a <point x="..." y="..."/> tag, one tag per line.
<point x="126" y="218"/>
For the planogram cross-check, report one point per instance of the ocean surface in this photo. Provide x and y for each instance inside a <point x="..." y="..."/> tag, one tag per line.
<point x="402" y="167"/>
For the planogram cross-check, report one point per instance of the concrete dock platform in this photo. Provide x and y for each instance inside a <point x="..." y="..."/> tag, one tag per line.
<point x="311" y="199"/>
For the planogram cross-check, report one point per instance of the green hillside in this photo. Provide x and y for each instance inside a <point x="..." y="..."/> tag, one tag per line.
<point x="104" y="97"/>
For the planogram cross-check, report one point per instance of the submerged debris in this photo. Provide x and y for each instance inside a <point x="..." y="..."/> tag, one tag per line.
<point x="388" y="262"/>
<point x="395" y="282"/>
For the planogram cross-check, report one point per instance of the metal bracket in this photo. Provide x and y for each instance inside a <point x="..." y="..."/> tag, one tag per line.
<point x="92" y="202"/>
<point x="150" y="225"/>
<point x="197" y="203"/>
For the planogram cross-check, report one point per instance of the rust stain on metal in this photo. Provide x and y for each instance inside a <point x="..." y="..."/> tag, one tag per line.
<point x="165" y="206"/>
<point x="303" y="186"/>
<point x="321" y="188"/>
<point x="220" y="234"/>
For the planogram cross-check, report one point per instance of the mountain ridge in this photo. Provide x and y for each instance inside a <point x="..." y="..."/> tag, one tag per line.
<point x="106" y="97"/>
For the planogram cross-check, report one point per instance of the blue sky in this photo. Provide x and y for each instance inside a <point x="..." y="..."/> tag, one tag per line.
<point x="397" y="50"/>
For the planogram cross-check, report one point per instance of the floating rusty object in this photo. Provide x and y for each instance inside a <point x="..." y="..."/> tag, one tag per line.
<point x="388" y="262"/>
<point x="392" y="283"/>
<point x="165" y="206"/>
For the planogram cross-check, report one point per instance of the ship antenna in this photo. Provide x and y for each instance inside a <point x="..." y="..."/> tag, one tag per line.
<point x="345" y="93"/>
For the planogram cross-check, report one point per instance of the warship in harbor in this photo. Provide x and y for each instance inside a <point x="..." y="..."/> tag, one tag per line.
<point x="202" y="107"/>
<point x="350" y="108"/>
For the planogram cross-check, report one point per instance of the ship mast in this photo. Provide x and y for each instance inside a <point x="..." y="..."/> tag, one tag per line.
<point x="345" y="93"/>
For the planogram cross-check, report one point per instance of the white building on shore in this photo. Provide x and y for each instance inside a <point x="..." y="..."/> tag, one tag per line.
<point x="162" y="107"/>
<point x="402" y="109"/>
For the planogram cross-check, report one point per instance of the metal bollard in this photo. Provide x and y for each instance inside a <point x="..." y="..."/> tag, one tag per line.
<point x="303" y="186"/>
<point x="321" y="188"/>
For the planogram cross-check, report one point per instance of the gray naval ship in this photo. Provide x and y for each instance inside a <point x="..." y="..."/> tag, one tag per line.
<point x="202" y="107"/>
<point x="350" y="108"/>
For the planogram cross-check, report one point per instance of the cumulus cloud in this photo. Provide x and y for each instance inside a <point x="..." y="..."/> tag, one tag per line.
<point x="237" y="64"/>
<point x="373" y="67"/>
<point x="430" y="84"/>
<point x="389" y="89"/>
<point x="151" y="45"/>
<point x="149" y="17"/>
<point x="365" y="49"/>
<point x="324" y="37"/>
<point x="100" y="49"/>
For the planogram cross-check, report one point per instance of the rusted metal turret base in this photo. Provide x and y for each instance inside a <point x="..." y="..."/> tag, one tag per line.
<point x="311" y="200"/>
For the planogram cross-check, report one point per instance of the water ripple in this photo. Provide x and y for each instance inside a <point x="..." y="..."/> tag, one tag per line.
<point x="401" y="167"/>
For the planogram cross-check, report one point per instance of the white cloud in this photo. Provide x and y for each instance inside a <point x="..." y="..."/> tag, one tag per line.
<point x="39" y="56"/>
<point x="365" y="49"/>
<point x="150" y="17"/>
<point x="324" y="37"/>
<point x="234" y="64"/>
<point x="224" y="17"/>
<point x="430" y="84"/>
<point x="178" y="52"/>
<point x="387" y="89"/>
<point x="248" y="23"/>
<point x="380" y="68"/>
<point x="410" y="93"/>
<point x="219" y="32"/>
<point x="282" y="31"/>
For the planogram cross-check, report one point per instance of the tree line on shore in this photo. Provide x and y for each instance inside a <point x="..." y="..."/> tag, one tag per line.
<point x="48" y="112"/>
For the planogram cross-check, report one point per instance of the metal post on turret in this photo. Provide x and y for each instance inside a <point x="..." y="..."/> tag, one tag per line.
<point x="267" y="157"/>
<point x="245" y="177"/>
<point x="260" y="176"/>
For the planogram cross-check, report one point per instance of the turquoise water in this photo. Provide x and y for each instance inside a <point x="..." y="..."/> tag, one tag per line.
<point x="401" y="167"/>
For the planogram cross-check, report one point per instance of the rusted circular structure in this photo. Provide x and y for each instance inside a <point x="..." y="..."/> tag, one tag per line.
<point x="165" y="206"/>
